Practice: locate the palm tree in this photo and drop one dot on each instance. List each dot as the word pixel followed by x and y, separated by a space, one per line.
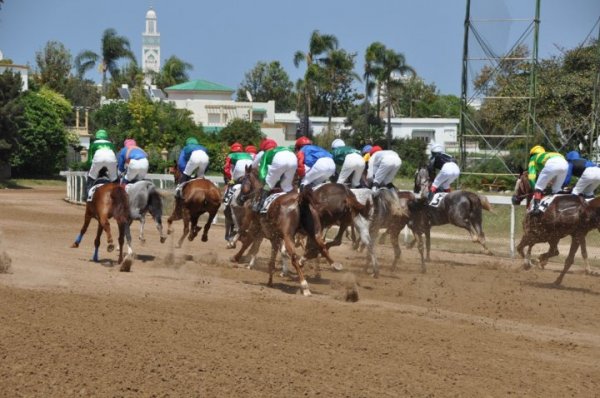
pixel 173 72
pixel 392 62
pixel 113 47
pixel 338 65
pixel 317 45
pixel 373 57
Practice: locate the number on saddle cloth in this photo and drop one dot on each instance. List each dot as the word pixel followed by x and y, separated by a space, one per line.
pixel 270 199
pixel 93 190
pixel 230 193
pixel 545 202
pixel 437 199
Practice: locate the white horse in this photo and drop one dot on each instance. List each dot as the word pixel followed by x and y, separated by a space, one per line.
pixel 143 198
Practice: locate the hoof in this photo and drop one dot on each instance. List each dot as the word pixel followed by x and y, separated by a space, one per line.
pixel 163 239
pixel 126 264
pixel 110 248
pixel 337 266
pixel 204 238
pixel 306 293
pixel 234 260
pixel 75 245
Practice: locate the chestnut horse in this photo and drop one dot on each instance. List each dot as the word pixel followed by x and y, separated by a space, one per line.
pixel 460 208
pixel 110 200
pixel 198 196
pixel 566 215
pixel 287 215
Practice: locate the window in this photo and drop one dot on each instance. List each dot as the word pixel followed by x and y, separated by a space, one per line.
pixel 214 118
pixel 423 135
pixel 151 28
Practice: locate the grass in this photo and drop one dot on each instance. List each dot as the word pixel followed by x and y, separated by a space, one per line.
pixel 23 183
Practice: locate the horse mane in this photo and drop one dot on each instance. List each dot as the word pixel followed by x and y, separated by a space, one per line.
pixel 120 202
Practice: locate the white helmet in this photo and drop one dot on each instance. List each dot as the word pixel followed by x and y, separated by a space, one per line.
pixel 337 143
pixel 436 148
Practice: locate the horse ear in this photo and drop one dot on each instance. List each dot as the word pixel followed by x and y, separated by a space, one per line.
pixel 248 169
pixel 521 170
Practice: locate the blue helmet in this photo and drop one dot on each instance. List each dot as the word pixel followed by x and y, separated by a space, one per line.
pixel 573 155
pixel 366 149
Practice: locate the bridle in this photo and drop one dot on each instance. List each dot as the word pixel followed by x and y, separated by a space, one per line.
pixel 520 188
pixel 253 192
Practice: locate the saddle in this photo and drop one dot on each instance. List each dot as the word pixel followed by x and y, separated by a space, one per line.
pixel 545 202
pixel 437 199
pixel 270 199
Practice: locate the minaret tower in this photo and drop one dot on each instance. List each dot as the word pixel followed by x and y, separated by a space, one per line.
pixel 150 46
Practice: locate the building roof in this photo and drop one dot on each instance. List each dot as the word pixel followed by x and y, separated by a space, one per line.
pixel 199 85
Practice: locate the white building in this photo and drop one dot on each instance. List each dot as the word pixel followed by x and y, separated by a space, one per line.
pixel 150 46
pixel 21 69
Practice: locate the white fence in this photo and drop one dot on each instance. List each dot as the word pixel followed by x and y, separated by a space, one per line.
pixel 76 194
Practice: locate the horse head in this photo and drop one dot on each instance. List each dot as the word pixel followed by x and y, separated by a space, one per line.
pixel 250 185
pixel 422 182
pixel 175 171
pixel 522 189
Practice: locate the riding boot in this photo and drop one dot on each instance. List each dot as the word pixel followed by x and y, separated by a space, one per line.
pixel 261 201
pixel 390 186
pixel 431 193
pixel 375 187
pixel 535 205
pixel 184 178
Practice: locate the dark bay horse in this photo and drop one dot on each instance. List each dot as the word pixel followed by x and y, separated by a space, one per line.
pixel 144 198
pixel 198 196
pixel 287 215
pixel 109 201
pixel 460 208
pixel 566 215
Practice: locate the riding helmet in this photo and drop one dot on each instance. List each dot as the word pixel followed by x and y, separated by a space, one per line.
pixel 337 143
pixel 268 144
pixel 101 135
pixel 300 142
pixel 236 147
pixel 191 141
pixel 366 149
pixel 573 155
pixel 537 149
pixel 129 142
pixel 251 149
pixel 437 148
pixel 376 148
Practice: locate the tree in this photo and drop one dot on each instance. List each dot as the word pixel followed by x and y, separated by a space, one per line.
pixel 268 81
pixel 113 48
pixel 130 74
pixel 82 92
pixel 11 113
pixel 54 64
pixel 241 131
pixel 43 138
pixel 373 59
pixel 317 45
pixel 338 73
pixel 174 71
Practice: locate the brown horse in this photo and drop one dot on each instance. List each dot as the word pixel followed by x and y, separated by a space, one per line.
pixel 197 197
pixel 566 215
pixel 288 215
pixel 110 200
pixel 460 208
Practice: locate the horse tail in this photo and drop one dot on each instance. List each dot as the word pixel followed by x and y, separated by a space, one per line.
pixel 356 206
pixel 485 204
pixel 120 204
pixel 154 202
pixel 308 205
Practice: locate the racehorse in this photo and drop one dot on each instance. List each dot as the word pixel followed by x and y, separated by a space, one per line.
pixel 198 196
pixel 286 216
pixel 109 200
pixel 234 213
pixel 566 215
pixel 389 211
pixel 143 198
pixel 460 208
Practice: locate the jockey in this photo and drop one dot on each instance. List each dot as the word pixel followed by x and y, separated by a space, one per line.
pixel 251 149
pixel 266 142
pixel 133 162
pixel 351 162
pixel 315 164
pixel 192 157
pixel 447 166
pixel 552 168
pixel 588 173
pixel 101 154
pixel 277 165
pixel 382 168
pixel 366 152
pixel 235 163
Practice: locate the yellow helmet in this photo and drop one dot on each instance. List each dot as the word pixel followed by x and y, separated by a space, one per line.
pixel 537 149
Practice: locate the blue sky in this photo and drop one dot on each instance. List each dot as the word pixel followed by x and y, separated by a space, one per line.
pixel 225 39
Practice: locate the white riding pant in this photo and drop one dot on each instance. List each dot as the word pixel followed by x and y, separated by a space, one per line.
pixel 137 169
pixel 198 160
pixel 319 172
pixel 240 168
pixel 383 167
pixel 554 172
pixel 588 182
pixel 354 165
pixel 104 157
pixel 282 169
pixel 448 173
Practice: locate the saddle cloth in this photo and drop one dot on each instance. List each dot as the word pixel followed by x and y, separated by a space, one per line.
pixel 545 202
pixel 92 191
pixel 437 199
pixel 230 194
pixel 270 199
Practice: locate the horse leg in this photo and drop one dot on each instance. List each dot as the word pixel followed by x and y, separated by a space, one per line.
pixel 194 229
pixel 525 241
pixel 325 253
pixel 109 240
pixel 142 223
pixel 97 242
pixel 86 223
pixel 186 227
pixel 588 270
pixel 569 260
pixel 159 227
pixel 480 237
pixel 289 247
pixel 419 240
pixel 361 224
pixel 175 215
pixel 211 217
pixel 128 260
pixel 275 243
pixel 552 251
pixel 394 235
pixel 428 243
pixel 338 238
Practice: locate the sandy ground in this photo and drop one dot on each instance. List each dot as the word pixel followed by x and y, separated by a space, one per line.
pixel 197 326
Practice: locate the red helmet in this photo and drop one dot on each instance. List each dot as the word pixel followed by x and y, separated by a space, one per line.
pixel 268 144
pixel 300 142
pixel 236 147
pixel 376 148
pixel 251 149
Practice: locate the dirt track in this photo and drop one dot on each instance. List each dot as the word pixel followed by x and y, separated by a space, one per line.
pixel 472 326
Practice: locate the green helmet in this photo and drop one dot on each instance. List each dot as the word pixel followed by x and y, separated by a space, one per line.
pixel 191 141
pixel 101 135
